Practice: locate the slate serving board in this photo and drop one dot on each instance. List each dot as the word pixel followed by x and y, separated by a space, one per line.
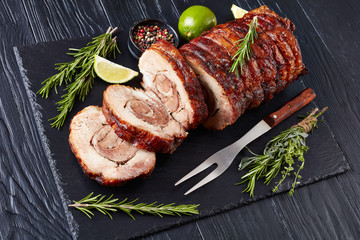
pixel 324 159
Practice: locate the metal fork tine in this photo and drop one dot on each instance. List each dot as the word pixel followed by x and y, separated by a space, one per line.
pixel 196 170
pixel 214 174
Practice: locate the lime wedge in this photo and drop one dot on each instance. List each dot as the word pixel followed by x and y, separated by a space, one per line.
pixel 238 12
pixel 111 72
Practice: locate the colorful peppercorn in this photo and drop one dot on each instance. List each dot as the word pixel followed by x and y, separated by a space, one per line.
pixel 146 35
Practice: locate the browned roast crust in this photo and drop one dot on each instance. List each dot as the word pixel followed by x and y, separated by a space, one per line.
pixel 227 39
pixel 251 77
pixel 268 24
pixel 139 137
pixel 188 79
pixel 251 80
pixel 196 54
pixel 218 56
pixel 263 53
pixel 266 17
pixel 267 20
pixel 276 61
pixel 99 177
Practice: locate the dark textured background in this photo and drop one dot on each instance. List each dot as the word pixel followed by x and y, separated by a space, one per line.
pixel 31 207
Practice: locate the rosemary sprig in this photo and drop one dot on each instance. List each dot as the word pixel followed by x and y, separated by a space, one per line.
pixel 244 51
pixel 110 205
pixel 280 152
pixel 81 71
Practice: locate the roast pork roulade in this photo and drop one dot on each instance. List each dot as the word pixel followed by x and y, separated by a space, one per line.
pixel 104 156
pixel 166 73
pixel 142 119
pixel 275 63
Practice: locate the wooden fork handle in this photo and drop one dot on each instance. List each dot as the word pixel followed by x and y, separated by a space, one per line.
pixel 290 107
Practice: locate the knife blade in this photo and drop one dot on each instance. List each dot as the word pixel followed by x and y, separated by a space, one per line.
pixel 225 156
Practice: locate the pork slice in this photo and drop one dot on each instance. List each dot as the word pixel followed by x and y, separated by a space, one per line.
pixel 217 54
pixel 222 98
pixel 102 155
pixel 141 118
pixel 251 92
pixel 166 73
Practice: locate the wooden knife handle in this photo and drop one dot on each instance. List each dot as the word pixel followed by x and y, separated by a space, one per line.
pixel 290 107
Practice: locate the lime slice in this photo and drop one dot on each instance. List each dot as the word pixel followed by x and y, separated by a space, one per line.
pixel 238 12
pixel 111 72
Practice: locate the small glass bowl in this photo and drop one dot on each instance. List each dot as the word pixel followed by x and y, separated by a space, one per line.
pixel 134 48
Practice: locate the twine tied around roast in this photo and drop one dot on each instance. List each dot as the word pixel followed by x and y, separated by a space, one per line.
pixel 307 123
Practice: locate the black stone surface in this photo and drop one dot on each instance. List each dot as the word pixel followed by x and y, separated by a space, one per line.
pixel 324 159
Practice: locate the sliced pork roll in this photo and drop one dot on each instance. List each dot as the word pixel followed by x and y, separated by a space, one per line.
pixel 140 118
pixel 166 73
pixel 275 63
pixel 104 156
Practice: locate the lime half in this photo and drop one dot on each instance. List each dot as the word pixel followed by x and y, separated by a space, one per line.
pixel 238 12
pixel 111 72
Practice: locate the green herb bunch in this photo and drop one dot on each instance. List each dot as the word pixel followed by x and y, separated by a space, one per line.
pixel 244 51
pixel 79 72
pixel 110 205
pixel 280 153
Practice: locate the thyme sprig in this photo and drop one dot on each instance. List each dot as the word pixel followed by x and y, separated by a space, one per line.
pixel 110 205
pixel 80 72
pixel 280 152
pixel 244 51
